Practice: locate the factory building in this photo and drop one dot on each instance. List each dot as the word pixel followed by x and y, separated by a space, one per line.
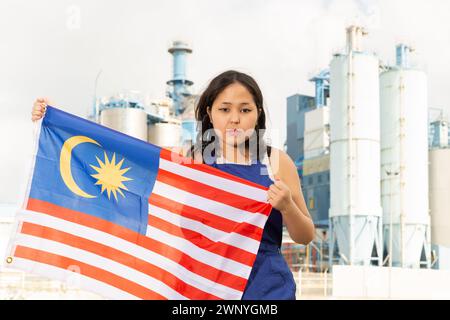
pixel 297 106
pixel 374 168
pixel 167 123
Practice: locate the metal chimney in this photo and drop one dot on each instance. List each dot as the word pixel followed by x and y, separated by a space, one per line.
pixel 179 83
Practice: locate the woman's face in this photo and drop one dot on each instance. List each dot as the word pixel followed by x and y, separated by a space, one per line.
pixel 234 114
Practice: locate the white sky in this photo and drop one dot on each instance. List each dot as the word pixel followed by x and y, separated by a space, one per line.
pixel 56 48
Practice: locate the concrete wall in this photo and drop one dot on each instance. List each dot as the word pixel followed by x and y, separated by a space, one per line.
pixel 359 282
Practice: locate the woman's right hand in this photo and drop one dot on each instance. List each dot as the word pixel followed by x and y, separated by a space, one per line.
pixel 39 108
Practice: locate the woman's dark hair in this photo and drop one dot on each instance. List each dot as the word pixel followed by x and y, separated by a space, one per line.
pixel 215 87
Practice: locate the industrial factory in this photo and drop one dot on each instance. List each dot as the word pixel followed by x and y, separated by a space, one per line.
pixel 167 122
pixel 374 163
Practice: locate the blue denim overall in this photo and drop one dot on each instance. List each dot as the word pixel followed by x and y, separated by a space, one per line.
pixel 270 278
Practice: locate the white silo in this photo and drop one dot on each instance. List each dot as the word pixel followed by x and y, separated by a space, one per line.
pixel 165 134
pixel 355 208
pixel 404 162
pixel 439 188
pixel 439 196
pixel 131 121
pixel 124 113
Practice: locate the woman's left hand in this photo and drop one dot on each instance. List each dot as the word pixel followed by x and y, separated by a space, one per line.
pixel 279 195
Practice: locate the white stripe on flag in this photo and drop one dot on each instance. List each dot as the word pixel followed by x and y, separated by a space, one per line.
pixel 215 207
pixel 216 235
pixel 197 253
pixel 107 239
pixel 228 185
pixel 85 283
pixel 99 262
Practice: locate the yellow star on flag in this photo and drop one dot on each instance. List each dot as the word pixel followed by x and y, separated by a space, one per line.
pixel 110 176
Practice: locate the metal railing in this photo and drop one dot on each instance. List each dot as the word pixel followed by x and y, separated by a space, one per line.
pixel 18 285
pixel 313 285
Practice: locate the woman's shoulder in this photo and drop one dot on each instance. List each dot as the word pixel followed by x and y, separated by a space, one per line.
pixel 281 163
pixel 282 155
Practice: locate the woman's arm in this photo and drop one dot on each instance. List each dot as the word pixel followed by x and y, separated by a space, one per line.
pixel 286 196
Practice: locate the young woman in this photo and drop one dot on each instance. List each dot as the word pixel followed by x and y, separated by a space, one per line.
pixel 232 119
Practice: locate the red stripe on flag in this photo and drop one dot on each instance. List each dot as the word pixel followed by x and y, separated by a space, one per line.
pixel 222 249
pixel 186 162
pixel 87 270
pixel 212 193
pixel 118 256
pixel 209 219
pixel 195 266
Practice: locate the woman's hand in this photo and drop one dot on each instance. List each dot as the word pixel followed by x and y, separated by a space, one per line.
pixel 39 108
pixel 279 195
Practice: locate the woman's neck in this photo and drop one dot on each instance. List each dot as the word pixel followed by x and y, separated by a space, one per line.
pixel 235 154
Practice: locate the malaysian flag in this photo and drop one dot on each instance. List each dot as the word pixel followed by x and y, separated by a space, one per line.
pixel 132 220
